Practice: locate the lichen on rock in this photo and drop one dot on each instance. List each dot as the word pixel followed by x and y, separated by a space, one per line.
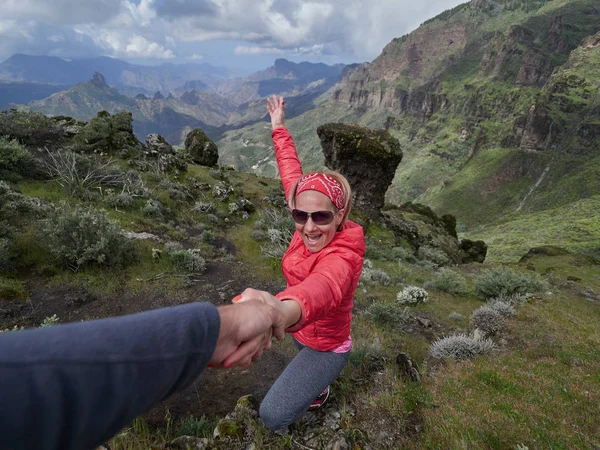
pixel 201 148
pixel 367 158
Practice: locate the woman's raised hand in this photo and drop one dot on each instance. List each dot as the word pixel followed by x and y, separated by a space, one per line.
pixel 275 107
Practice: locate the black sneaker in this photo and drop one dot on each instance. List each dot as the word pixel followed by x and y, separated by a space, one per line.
pixel 320 400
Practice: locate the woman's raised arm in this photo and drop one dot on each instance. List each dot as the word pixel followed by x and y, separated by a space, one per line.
pixel 290 169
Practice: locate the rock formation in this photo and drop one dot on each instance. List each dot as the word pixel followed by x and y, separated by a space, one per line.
pixel 415 226
pixel 163 155
pixel 98 80
pixel 366 157
pixel 201 148
pixel 157 145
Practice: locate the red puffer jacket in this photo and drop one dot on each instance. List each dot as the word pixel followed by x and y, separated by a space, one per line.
pixel 323 283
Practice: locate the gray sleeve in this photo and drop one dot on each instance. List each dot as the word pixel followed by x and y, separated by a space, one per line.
pixel 74 386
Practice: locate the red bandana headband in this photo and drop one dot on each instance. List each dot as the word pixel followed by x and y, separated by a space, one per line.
pixel 325 185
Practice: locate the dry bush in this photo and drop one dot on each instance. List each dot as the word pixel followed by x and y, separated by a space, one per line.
pixel 460 347
pixel 487 319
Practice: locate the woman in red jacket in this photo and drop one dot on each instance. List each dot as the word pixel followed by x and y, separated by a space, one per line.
pixel 322 267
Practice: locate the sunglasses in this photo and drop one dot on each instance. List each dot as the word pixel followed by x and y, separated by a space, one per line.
pixel 318 217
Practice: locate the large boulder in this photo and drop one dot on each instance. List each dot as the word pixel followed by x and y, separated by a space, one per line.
pixel 201 148
pixel 367 158
pixel 158 145
pixel 472 251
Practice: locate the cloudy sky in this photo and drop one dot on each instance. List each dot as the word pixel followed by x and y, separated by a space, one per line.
pixel 247 34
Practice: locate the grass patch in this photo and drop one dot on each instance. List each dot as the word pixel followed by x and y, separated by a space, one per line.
pixel 11 289
pixel 539 394
pixel 575 227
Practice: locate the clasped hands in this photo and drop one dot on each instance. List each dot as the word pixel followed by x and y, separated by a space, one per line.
pixel 248 326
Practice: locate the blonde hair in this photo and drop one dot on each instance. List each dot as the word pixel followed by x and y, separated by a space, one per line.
pixel 346 189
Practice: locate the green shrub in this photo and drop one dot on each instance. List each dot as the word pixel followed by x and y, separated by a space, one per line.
pixel 246 205
pixel 461 347
pixel 11 289
pixel 389 253
pixel 152 209
pixel 195 426
pixel 506 282
pixel 177 191
pixel 221 191
pixel 449 281
pixel 405 254
pixel 388 313
pixel 109 134
pixel 412 295
pixel 29 127
pixel 258 235
pixel 50 321
pixel 188 261
pixel 14 206
pixel 203 207
pixel 433 255
pixel 207 236
pixel 504 308
pixel 487 319
pixel 513 300
pixel 15 160
pixel 84 236
pixel 403 272
pixel 122 200
pixel 367 352
pixel 233 208
pixel 370 275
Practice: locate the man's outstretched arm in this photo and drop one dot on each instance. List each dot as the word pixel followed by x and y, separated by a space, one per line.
pixel 74 386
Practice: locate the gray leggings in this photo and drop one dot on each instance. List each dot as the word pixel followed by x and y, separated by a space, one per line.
pixel 301 382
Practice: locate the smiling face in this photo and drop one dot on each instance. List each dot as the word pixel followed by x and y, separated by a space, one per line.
pixel 316 237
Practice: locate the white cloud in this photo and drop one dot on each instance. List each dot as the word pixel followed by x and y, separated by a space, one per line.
pixel 122 44
pixel 153 28
pixel 140 47
pixel 353 27
pixel 7 26
pixel 142 13
pixel 313 50
pixel 195 57
pixel 256 50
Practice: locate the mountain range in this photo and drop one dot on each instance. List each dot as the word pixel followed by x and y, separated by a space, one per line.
pixel 213 103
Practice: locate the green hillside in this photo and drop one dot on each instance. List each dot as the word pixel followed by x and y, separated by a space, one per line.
pixel 103 233
pixel 502 123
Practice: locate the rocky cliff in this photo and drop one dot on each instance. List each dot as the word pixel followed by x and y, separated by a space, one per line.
pixel 518 75
pixel 523 54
